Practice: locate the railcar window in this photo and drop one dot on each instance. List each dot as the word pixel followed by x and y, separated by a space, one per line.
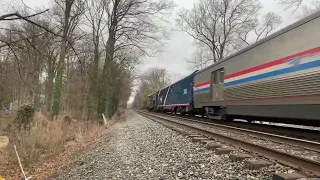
pixel 218 77
pixel 221 76
pixel 214 78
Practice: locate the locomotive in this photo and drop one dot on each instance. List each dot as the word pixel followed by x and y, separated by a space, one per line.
pixel 276 79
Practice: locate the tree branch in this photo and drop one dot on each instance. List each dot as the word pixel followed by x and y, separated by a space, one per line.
pixel 4 17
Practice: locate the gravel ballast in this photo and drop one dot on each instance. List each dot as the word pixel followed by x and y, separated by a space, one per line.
pixel 139 148
pixel 290 149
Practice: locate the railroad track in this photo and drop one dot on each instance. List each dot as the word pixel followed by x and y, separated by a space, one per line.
pixel 271 146
pixel 299 133
pixel 305 143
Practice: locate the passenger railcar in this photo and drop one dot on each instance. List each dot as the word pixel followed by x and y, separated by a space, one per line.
pixel 276 79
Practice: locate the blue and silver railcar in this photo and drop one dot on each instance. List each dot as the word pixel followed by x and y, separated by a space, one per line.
pixel 276 79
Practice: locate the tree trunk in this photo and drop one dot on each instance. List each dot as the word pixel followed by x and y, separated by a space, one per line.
pixel 61 63
pixel 105 77
pixel 58 84
pixel 85 104
pixel 102 103
pixel 49 86
pixel 36 94
pixel 37 85
pixel 93 91
pixel 66 97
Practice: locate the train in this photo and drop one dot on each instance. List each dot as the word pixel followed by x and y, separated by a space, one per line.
pixel 276 79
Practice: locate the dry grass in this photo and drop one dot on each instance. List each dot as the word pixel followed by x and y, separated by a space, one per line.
pixel 45 140
pixel 4 121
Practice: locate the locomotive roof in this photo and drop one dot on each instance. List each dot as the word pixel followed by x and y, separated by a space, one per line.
pixel 177 81
pixel 274 35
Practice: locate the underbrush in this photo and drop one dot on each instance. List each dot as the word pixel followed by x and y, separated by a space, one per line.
pixel 43 140
pixel 4 121
pixel 45 146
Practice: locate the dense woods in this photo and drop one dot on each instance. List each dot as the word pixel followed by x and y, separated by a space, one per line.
pixel 77 56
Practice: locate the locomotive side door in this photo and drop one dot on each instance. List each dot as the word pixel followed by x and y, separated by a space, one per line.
pixel 217 80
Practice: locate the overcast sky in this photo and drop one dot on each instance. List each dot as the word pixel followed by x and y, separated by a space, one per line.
pixel 180 46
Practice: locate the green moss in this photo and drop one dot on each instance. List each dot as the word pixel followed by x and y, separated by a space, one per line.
pixel 57 93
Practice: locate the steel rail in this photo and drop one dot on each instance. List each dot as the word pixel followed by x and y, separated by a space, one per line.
pixel 281 157
pixel 295 132
pixel 313 134
pixel 309 145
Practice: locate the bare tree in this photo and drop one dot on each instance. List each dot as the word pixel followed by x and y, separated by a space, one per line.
pixel 97 21
pixel 291 3
pixel 268 24
pixel 17 16
pixel 122 65
pixel 216 23
pixel 26 50
pixel 309 9
pixel 61 61
pixel 306 9
pixel 70 22
pixel 201 58
pixel 31 41
pixel 51 48
pixel 131 24
pixel 151 80
pixel 223 27
pixel 155 78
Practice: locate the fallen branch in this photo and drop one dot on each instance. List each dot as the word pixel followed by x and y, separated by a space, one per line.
pixel 24 175
pixel 104 120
